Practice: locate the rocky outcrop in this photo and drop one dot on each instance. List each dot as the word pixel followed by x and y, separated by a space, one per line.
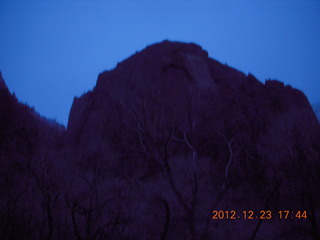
pixel 200 136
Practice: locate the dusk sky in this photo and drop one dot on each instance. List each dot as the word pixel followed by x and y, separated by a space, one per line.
pixel 52 51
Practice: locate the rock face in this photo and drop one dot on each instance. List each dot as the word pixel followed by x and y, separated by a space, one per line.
pixel 194 136
pixel 169 137
pixel 168 71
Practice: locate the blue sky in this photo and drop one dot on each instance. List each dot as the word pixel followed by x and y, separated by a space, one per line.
pixel 52 51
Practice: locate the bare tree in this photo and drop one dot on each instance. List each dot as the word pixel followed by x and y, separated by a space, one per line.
pixel 94 213
pixel 40 167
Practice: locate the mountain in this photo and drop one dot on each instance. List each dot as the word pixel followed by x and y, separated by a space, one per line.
pixel 28 143
pixel 170 144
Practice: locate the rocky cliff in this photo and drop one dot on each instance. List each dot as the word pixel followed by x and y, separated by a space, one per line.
pixel 167 138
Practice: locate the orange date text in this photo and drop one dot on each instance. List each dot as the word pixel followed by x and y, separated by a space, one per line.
pixel 261 215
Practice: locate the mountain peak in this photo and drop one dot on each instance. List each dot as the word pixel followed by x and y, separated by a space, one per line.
pixel 168 76
pixel 176 63
pixel 167 46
